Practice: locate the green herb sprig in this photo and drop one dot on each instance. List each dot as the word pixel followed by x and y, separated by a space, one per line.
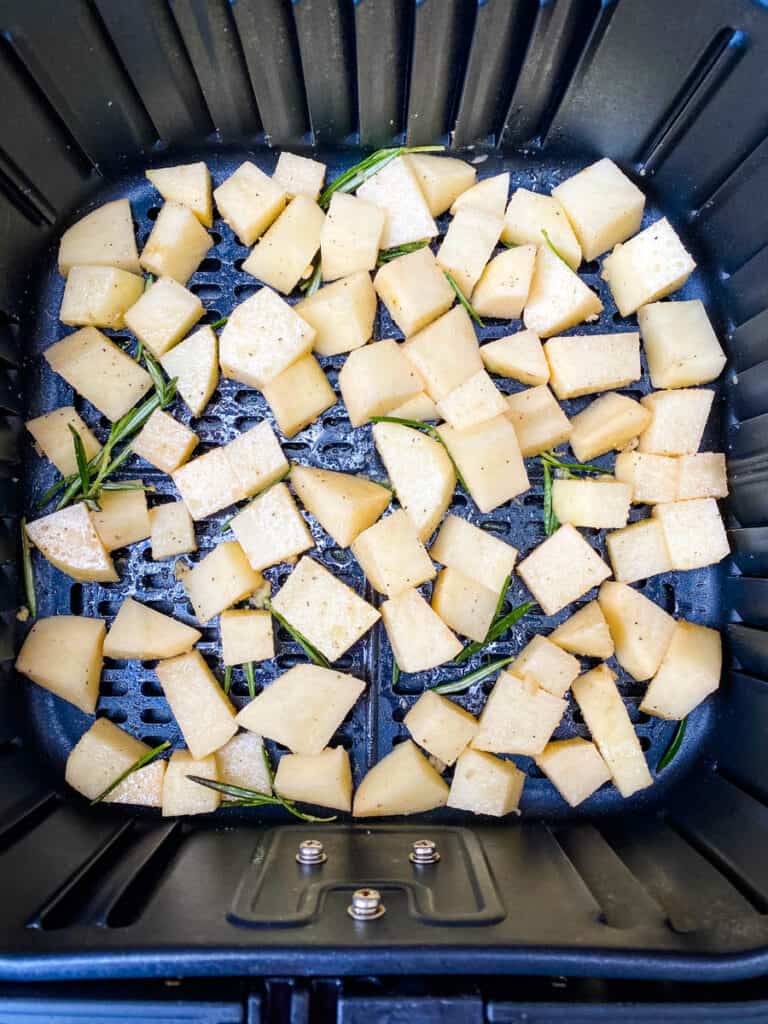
pixel 307 646
pixel 677 740
pixel 499 628
pixel 251 678
pixel 395 674
pixel 553 465
pixel 364 169
pixel 218 323
pixel 463 299
pixel 243 797
pixel 425 428
pixel 556 251
pixel 465 682
pixel 141 763
pixel 28 571
pixel 313 282
pixel 551 522
pixel 227 679
pixel 387 255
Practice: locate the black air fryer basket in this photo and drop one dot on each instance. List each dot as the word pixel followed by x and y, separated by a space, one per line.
pixel 670 884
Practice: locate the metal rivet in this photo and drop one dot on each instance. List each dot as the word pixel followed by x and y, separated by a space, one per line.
pixel 366 905
pixel 424 851
pixel 311 852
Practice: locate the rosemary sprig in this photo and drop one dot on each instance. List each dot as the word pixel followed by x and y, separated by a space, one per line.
pixel 551 245
pixel 126 485
pixel 425 428
pixel 670 753
pixel 142 761
pixel 574 468
pixel 227 678
pixel 313 282
pixel 250 676
pixel 550 519
pixel 464 683
pixel 28 571
pixel 81 459
pixel 386 255
pixel 395 674
pixel 164 389
pixel 218 323
pixel 243 797
pixel 307 646
pixel 553 465
pixel 360 172
pixel 499 627
pixel 463 299
pixel 149 280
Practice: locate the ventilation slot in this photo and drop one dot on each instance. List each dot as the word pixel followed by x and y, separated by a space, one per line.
pixel 17 824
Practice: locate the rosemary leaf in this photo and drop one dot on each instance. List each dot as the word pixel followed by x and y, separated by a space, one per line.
pixel 127 485
pixel 243 797
pixel 309 648
pixel 81 459
pixel 386 255
pixel 509 245
pixel 549 242
pixel 250 676
pixel 671 752
pixel 149 280
pixel 139 351
pixel 158 377
pixel 218 323
pixel 360 172
pixel 497 629
pixel 464 683
pixel 142 761
pixel 550 519
pixel 395 674
pixel 556 462
pixel 425 428
pixel 463 299
pixel 227 678
pixel 28 571
pixel 313 282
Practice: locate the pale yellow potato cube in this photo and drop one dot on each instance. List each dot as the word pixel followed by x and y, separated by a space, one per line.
pixel 403 782
pixel 689 672
pixel 489 195
pixel 468 245
pixel 53 437
pixel 653 478
pixel 612 730
pixel 585 632
pixel 172 531
pixel 603 206
pixel 420 472
pixel 375 379
pixel 392 556
pixel 538 420
pixel 678 419
pixel 465 606
pixel 177 244
pixel 641 630
pixel 574 767
pixel 420 407
pixel 181 796
pixel 474 401
pixel 322 608
pixel 503 288
pixel 302 708
pixel 288 246
pixel 142 788
pixel 140 632
pixel 164 442
pixel 351 236
pixel 610 422
pixel 702 475
pixel 638 551
pixel 519 717
pixel 442 179
pixel 342 314
pixel 693 531
pixel 552 668
pixel 519 356
pixel 343 504
pixel 63 654
pixel 123 518
pixel 445 353
pixel 441 727
pixel 488 457
pixel 414 290
pixel 597 504
pixel 164 313
pixel 584 364
pixel 476 553
pixel 256 459
pixel 102 238
pixel 246 635
pixel 420 639
pixel 395 189
pixel 242 761
pixel 484 784
pixel 222 578
pixel 558 298
pixel 69 541
pixel 194 695
pixel 299 395
pixel 194 365
pixel 262 337
pixel 99 296
pixel 530 214
pixel 186 184
pixel 249 201
pixel 562 569
pixel 101 755
pixel 680 345
pixel 100 371
pixel 323 780
pixel 647 267
pixel 271 529
pixel 299 176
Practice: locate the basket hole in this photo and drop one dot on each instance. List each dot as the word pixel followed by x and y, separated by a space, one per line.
pixel 343 741
pixel 534 772
pixel 151 688
pixel 153 212
pixel 591 267
pixel 337 449
pixel 115 715
pixel 244 291
pixel 206 291
pixel 156 716
pixel 215 237
pixel 397 740
pixel 113 687
pixel 76 599
pixel 209 265
pixel 645 742
pixel 399 714
pixel 153 739
pixel 577 715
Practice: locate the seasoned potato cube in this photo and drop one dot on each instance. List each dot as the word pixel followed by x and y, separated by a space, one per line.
pixel 101 755
pixel 68 540
pixel 302 708
pixel 640 629
pixel 204 715
pixel 520 356
pixel 351 236
pixel 474 401
pixel 323 780
pixel 123 518
pixel 180 794
pixel 600 504
pixel 164 442
pixel 489 195
pixel 395 189
pixel 441 727
pixel 647 267
pixel 140 632
pixel 102 238
pixel 574 767
pixel 220 580
pixel 474 552
pixel 653 478
pixel 465 606
pixel 585 632
pixel 282 254
pixel 539 422
pixel 420 407
pixel 63 654
pixel 442 179
pixel 271 529
pixel 242 762
pixel 681 347
pixel 503 288
pixel 608 721
pixel 375 379
pixel 420 639
pixel 325 610
pixel 186 184
pixel 610 422
pixel 603 206
pixel 414 290
pixel 584 364
pixel 299 394
pixel 164 313
pixel 530 214
pixel 688 673
pixel 392 556
pixel 343 504
pixel 299 176
pixel 246 636
pixel 701 476
pixel 693 531
pixel 467 246
pixel 342 314
pixel 558 298
pixel 53 436
pixel 545 574
pixel 484 784
pixel 420 472
pixel 678 419
pixel 177 244
pixel 172 531
pixel 99 296
pixel 100 371
pixel 256 459
pixel 551 667
pixel 488 457
pixel 638 551
pixel 446 353
pixel 249 201
pixel 518 718
pixel 403 782
pixel 194 365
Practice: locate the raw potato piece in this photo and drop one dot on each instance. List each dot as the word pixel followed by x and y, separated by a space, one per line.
pixel 678 419
pixel 299 395
pixel 53 436
pixel 420 639
pixel 194 365
pixel 249 201
pixel 395 189
pixel 503 287
pixel 299 176
pixel 520 356
pixel 246 636
pixel 680 345
pixel 489 195
pixel 414 290
pixel 323 780
pixel 342 314
pixel 551 667
pixel 647 267
pixel 420 407
pixel 302 708
pixel 343 504
pixel 484 784
pixel 280 257
pixel 584 364
pixel 102 754
pixel 99 296
pixel 610 422
pixel 180 794
pixel 123 518
pixel 69 541
pixel 375 379
pixel 518 718
pixel 574 767
pixel 403 782
pixel 475 401
pixel 420 472
pixel 688 673
pixel 141 632
pixel 488 457
pixel 638 551
pixel 205 716
pixel 63 654
pixel 256 459
pixel 653 478
pixel 242 762
pixel 164 442
pixel 607 719
pixel 442 179
pixel 271 529
pixel 465 606
pixel 539 422
pixel 585 632
pixel 441 727
pixel 530 214
pixel 220 580
pixel 474 552
pixel 103 238
pixel 558 298
pixel 392 556
pixel 176 245
pixel 694 532
pixel 640 629
pixel 351 237
pixel 562 569
pixel 446 353
pixel 598 504
pixel 603 206
pixel 186 184
pixel 468 245
pixel 172 531
pixel 702 475
pixel 164 313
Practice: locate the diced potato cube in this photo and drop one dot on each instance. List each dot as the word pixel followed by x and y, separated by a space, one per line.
pixel 299 394
pixel 194 365
pixel 442 179
pixel 465 606
pixel 693 531
pixel 342 314
pixel 220 580
pixel 702 475
pixel 262 337
pixel 172 531
pixel 653 478
pixel 678 419
pixel 68 540
pixel 177 244
pixel 343 504
pixel 519 717
pixel 282 254
pixel 271 529
pixel 140 632
pixel 474 401
pixel 351 236
pixel 256 459
pixel 681 347
pixel 688 673
pixel 302 708
pixel 101 755
pixel 420 407
pixel 123 518
pixel 603 206
pixel 612 730
pixel 414 290
pixel 640 629
pixel 164 442
pixel 53 436
pixel 102 238
pixel 164 313
pixel 63 654
pixel 638 551
pixel 488 457
pixel 100 371
pixel 325 610
pixel 476 553
pixel 562 569
pixel 299 176
pixel 484 784
pixel 539 422
pixel 142 788
pixel 441 727
pixel 503 288
pixel 530 214
pixel 647 267
pixel 246 636
pixel 552 668
pixel 403 782
pixel 585 632
pixel 181 796
pixel 242 762
pixel 204 715
pixel 584 364
pixel 392 556
pixel 186 184
pixel 445 353
pixel 468 245
pixel 610 422
pixel 519 356
pixel 420 639
pixel 249 201
pixel 375 379
pixel 558 298
pixel 599 504
pixel 489 195
pixel 420 471
pixel 99 296
pixel 395 189
pixel 574 767
pixel 323 780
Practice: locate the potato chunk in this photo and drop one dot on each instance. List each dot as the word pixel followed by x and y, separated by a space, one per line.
pixel 647 267
pixel 610 422
pixel 574 767
pixel 414 290
pixel 69 541
pixel 242 762
pixel 465 606
pixel 342 314
pixel 680 345
pixel 271 529
pixel 205 716
pixel 375 379
pixel 703 475
pixel 299 395
pixel 476 553
pixel 164 442
pixel 101 755
pixel 688 673
pixel 392 556
pixel 441 727
pixel 140 632
pixel 163 314
pixel 177 244
pixel 343 504
pixel 256 459
pixel 640 629
pixel 520 356
pixel 194 365
pixel 488 457
pixel 603 206
pixel 299 176
pixel 599 504
pixel 562 569
pixel 420 407
pixel 530 214
pixel 445 353
pixel 653 478
pixel 585 632
pixel 694 532
pixel 63 654
pixel 102 238
pixel 123 518
pixel 420 639
pixel 220 580
pixel 246 636
pixel 489 195
pixel 552 668
pixel 539 422
pixel 282 254
pixel 403 782
pixel 172 531
pixel 249 201
pixel 558 298
pixel 519 717
pixel 442 179
pixel 53 436
pixel 503 287
pixel 351 236
pixel 638 551
pixel 395 189
pixel 323 780
pixel 484 784
pixel 584 364
pixel 186 184
pixel 468 245
pixel 99 296
pixel 181 796
pixel 476 400
pixel 678 419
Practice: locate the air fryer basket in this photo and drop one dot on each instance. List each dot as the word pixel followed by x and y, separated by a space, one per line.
pixel 671 883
